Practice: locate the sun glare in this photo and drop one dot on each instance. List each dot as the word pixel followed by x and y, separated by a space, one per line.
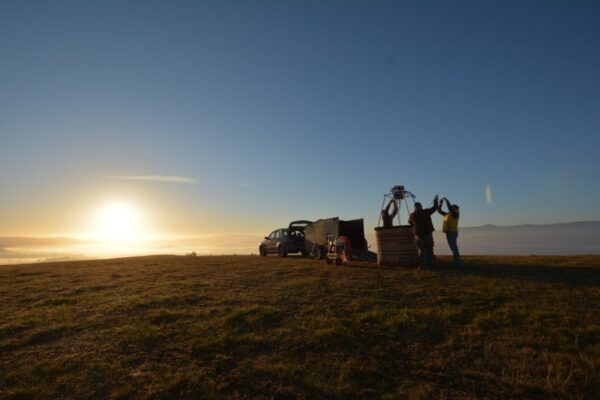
pixel 118 221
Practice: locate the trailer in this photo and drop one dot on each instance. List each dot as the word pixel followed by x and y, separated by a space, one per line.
pixel 317 234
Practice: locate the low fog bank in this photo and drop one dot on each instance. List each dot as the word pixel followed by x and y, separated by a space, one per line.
pixel 555 239
pixel 22 250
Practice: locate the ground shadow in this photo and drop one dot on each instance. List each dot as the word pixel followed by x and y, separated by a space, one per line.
pixel 569 275
pixel 588 276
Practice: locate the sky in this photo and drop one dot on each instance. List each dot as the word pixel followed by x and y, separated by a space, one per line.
pixel 223 117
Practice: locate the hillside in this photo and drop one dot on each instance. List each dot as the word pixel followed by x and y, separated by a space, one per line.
pixel 251 327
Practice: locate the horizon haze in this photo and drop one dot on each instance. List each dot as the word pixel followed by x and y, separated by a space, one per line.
pixel 128 124
pixel 575 238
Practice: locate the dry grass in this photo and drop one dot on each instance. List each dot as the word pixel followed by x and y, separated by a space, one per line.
pixel 250 327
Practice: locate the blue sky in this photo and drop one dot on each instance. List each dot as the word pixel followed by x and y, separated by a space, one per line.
pixel 281 110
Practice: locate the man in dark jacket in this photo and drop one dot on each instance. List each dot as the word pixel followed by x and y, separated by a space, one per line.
pixel 420 220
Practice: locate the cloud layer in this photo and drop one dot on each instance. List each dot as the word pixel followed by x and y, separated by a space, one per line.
pixel 156 178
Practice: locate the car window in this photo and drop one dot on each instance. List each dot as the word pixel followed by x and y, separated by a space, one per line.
pixel 297 234
pixel 284 233
pixel 272 235
pixel 278 235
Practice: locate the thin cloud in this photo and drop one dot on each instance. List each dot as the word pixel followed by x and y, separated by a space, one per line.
pixel 488 194
pixel 245 184
pixel 156 178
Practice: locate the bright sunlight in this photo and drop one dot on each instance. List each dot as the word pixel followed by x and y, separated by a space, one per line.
pixel 118 221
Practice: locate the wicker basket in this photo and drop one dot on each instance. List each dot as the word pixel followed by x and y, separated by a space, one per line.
pixel 396 246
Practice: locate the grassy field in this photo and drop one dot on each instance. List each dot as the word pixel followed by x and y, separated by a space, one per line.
pixel 250 327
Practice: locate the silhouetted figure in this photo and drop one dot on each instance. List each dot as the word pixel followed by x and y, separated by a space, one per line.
pixel 450 227
pixel 420 220
pixel 388 219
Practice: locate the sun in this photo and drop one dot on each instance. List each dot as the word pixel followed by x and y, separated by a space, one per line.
pixel 118 221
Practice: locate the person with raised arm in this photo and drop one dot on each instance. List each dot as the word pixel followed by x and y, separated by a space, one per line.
pixel 450 227
pixel 420 220
pixel 387 217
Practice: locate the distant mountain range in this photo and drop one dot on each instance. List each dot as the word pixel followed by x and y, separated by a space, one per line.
pixel 548 239
pixel 569 225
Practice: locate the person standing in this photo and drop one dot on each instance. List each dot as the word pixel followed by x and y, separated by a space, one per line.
pixel 420 220
pixel 450 227
pixel 387 217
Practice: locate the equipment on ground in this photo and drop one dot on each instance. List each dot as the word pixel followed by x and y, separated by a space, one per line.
pixel 319 234
pixel 339 251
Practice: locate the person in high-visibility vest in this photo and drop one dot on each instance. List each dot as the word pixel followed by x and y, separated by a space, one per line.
pixel 450 227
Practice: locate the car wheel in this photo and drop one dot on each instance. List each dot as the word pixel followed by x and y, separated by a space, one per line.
pixel 262 251
pixel 281 252
pixel 317 253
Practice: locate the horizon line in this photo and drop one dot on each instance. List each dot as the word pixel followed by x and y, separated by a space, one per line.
pixel 199 236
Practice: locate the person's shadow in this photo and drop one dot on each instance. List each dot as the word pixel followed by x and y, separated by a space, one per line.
pixel 578 274
pixel 536 272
